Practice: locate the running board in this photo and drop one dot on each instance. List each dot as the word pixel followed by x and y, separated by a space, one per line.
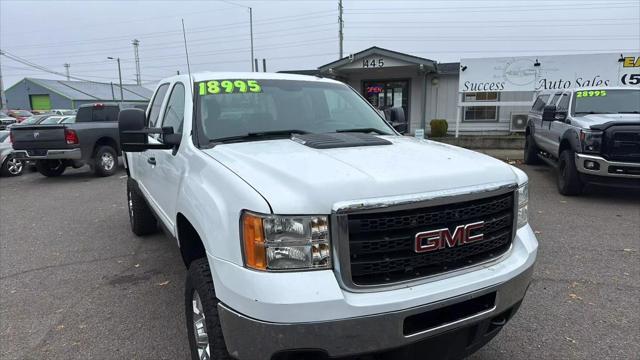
pixel 547 159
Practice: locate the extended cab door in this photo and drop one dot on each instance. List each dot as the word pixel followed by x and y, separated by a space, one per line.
pixel 138 160
pixel 535 117
pixel 163 177
pixel 557 128
pixel 546 143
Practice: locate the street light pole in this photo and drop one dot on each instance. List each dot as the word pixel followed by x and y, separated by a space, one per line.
pixel 251 35
pixel 119 76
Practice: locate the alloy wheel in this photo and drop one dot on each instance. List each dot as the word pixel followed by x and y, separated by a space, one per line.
pixel 200 328
pixel 107 161
pixel 14 166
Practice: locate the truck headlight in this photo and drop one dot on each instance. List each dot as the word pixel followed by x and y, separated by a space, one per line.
pixel 591 141
pixel 273 242
pixel 523 205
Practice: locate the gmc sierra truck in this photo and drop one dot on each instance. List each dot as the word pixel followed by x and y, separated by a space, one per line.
pixel 591 135
pixel 310 228
pixel 92 139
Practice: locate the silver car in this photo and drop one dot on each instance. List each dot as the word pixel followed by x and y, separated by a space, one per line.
pixel 9 165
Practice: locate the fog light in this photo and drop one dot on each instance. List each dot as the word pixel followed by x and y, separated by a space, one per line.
pixel 591 165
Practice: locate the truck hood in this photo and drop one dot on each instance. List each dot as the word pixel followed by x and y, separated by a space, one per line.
pixel 296 179
pixel 596 119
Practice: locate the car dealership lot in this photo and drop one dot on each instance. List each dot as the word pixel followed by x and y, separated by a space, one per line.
pixel 75 283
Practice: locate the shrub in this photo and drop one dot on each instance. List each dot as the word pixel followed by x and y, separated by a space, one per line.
pixel 439 127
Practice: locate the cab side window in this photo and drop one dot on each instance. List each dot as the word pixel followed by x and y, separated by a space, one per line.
pixel 563 105
pixel 554 101
pixel 154 113
pixel 174 111
pixel 539 104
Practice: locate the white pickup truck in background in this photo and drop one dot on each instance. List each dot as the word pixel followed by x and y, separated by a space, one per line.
pixel 311 229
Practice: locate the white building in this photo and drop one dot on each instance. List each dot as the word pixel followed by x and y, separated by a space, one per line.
pixel 475 96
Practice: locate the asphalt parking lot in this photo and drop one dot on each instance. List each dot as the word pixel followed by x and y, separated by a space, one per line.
pixel 75 283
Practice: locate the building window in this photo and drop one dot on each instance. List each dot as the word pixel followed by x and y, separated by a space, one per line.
pixel 480 113
pixel 480 96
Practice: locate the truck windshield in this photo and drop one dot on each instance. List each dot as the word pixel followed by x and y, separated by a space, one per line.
pixel 239 108
pixel 606 102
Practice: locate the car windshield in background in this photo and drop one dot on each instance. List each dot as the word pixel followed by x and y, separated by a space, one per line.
pixel 51 120
pixel 22 113
pixel 606 102
pixel 3 136
pixel 237 108
pixel 68 120
pixel 31 120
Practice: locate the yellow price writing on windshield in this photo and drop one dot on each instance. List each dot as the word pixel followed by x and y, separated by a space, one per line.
pixel 213 87
pixel 590 93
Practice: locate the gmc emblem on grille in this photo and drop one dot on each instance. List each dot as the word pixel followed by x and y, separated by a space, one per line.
pixel 433 240
pixel 36 134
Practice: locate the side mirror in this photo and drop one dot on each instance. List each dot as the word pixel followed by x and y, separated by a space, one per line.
pixel 400 127
pixel 129 122
pixel 549 113
pixel 561 115
pixel 172 139
pixel 134 134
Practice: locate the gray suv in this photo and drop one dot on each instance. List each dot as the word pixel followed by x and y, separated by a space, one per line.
pixel 591 135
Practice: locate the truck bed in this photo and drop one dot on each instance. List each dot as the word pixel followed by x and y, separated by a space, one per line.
pixel 41 137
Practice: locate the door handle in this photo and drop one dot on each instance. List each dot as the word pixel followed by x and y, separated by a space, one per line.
pixel 151 160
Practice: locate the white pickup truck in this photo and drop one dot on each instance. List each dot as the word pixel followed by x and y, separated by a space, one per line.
pixel 311 229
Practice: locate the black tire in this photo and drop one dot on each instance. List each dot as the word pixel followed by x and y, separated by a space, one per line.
pixel 200 282
pixel 51 168
pixel 531 151
pixel 140 215
pixel 105 162
pixel 569 182
pixel 12 167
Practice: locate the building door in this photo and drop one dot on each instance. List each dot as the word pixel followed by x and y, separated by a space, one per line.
pixel 40 102
pixel 387 95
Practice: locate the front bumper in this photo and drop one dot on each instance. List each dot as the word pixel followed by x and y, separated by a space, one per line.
pixel 376 332
pixel 606 168
pixel 62 154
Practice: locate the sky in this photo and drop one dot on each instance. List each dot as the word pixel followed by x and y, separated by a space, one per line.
pixel 293 35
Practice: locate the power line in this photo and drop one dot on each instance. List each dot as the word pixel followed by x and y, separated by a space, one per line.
pixel 226 26
pixel 39 67
pixel 510 6
pixel 424 10
pixel 176 43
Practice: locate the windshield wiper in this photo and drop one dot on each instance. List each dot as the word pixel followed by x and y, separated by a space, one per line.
pixel 363 130
pixel 256 136
pixel 629 112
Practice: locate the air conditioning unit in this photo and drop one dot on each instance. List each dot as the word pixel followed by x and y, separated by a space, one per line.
pixel 518 122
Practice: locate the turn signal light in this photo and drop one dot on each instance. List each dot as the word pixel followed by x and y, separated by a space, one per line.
pixel 71 137
pixel 253 240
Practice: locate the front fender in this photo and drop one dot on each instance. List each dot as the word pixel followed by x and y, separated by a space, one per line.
pixel 572 138
pixel 212 198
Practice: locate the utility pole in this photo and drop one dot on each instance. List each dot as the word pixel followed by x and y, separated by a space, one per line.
pixel 135 44
pixel 66 70
pixel 340 26
pixel 119 76
pixel 3 99
pixel 253 68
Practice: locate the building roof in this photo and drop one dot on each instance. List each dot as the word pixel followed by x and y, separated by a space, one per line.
pixel 84 90
pixel 379 51
pixel 449 68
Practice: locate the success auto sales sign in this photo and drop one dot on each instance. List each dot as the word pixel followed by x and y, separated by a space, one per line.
pixel 528 73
